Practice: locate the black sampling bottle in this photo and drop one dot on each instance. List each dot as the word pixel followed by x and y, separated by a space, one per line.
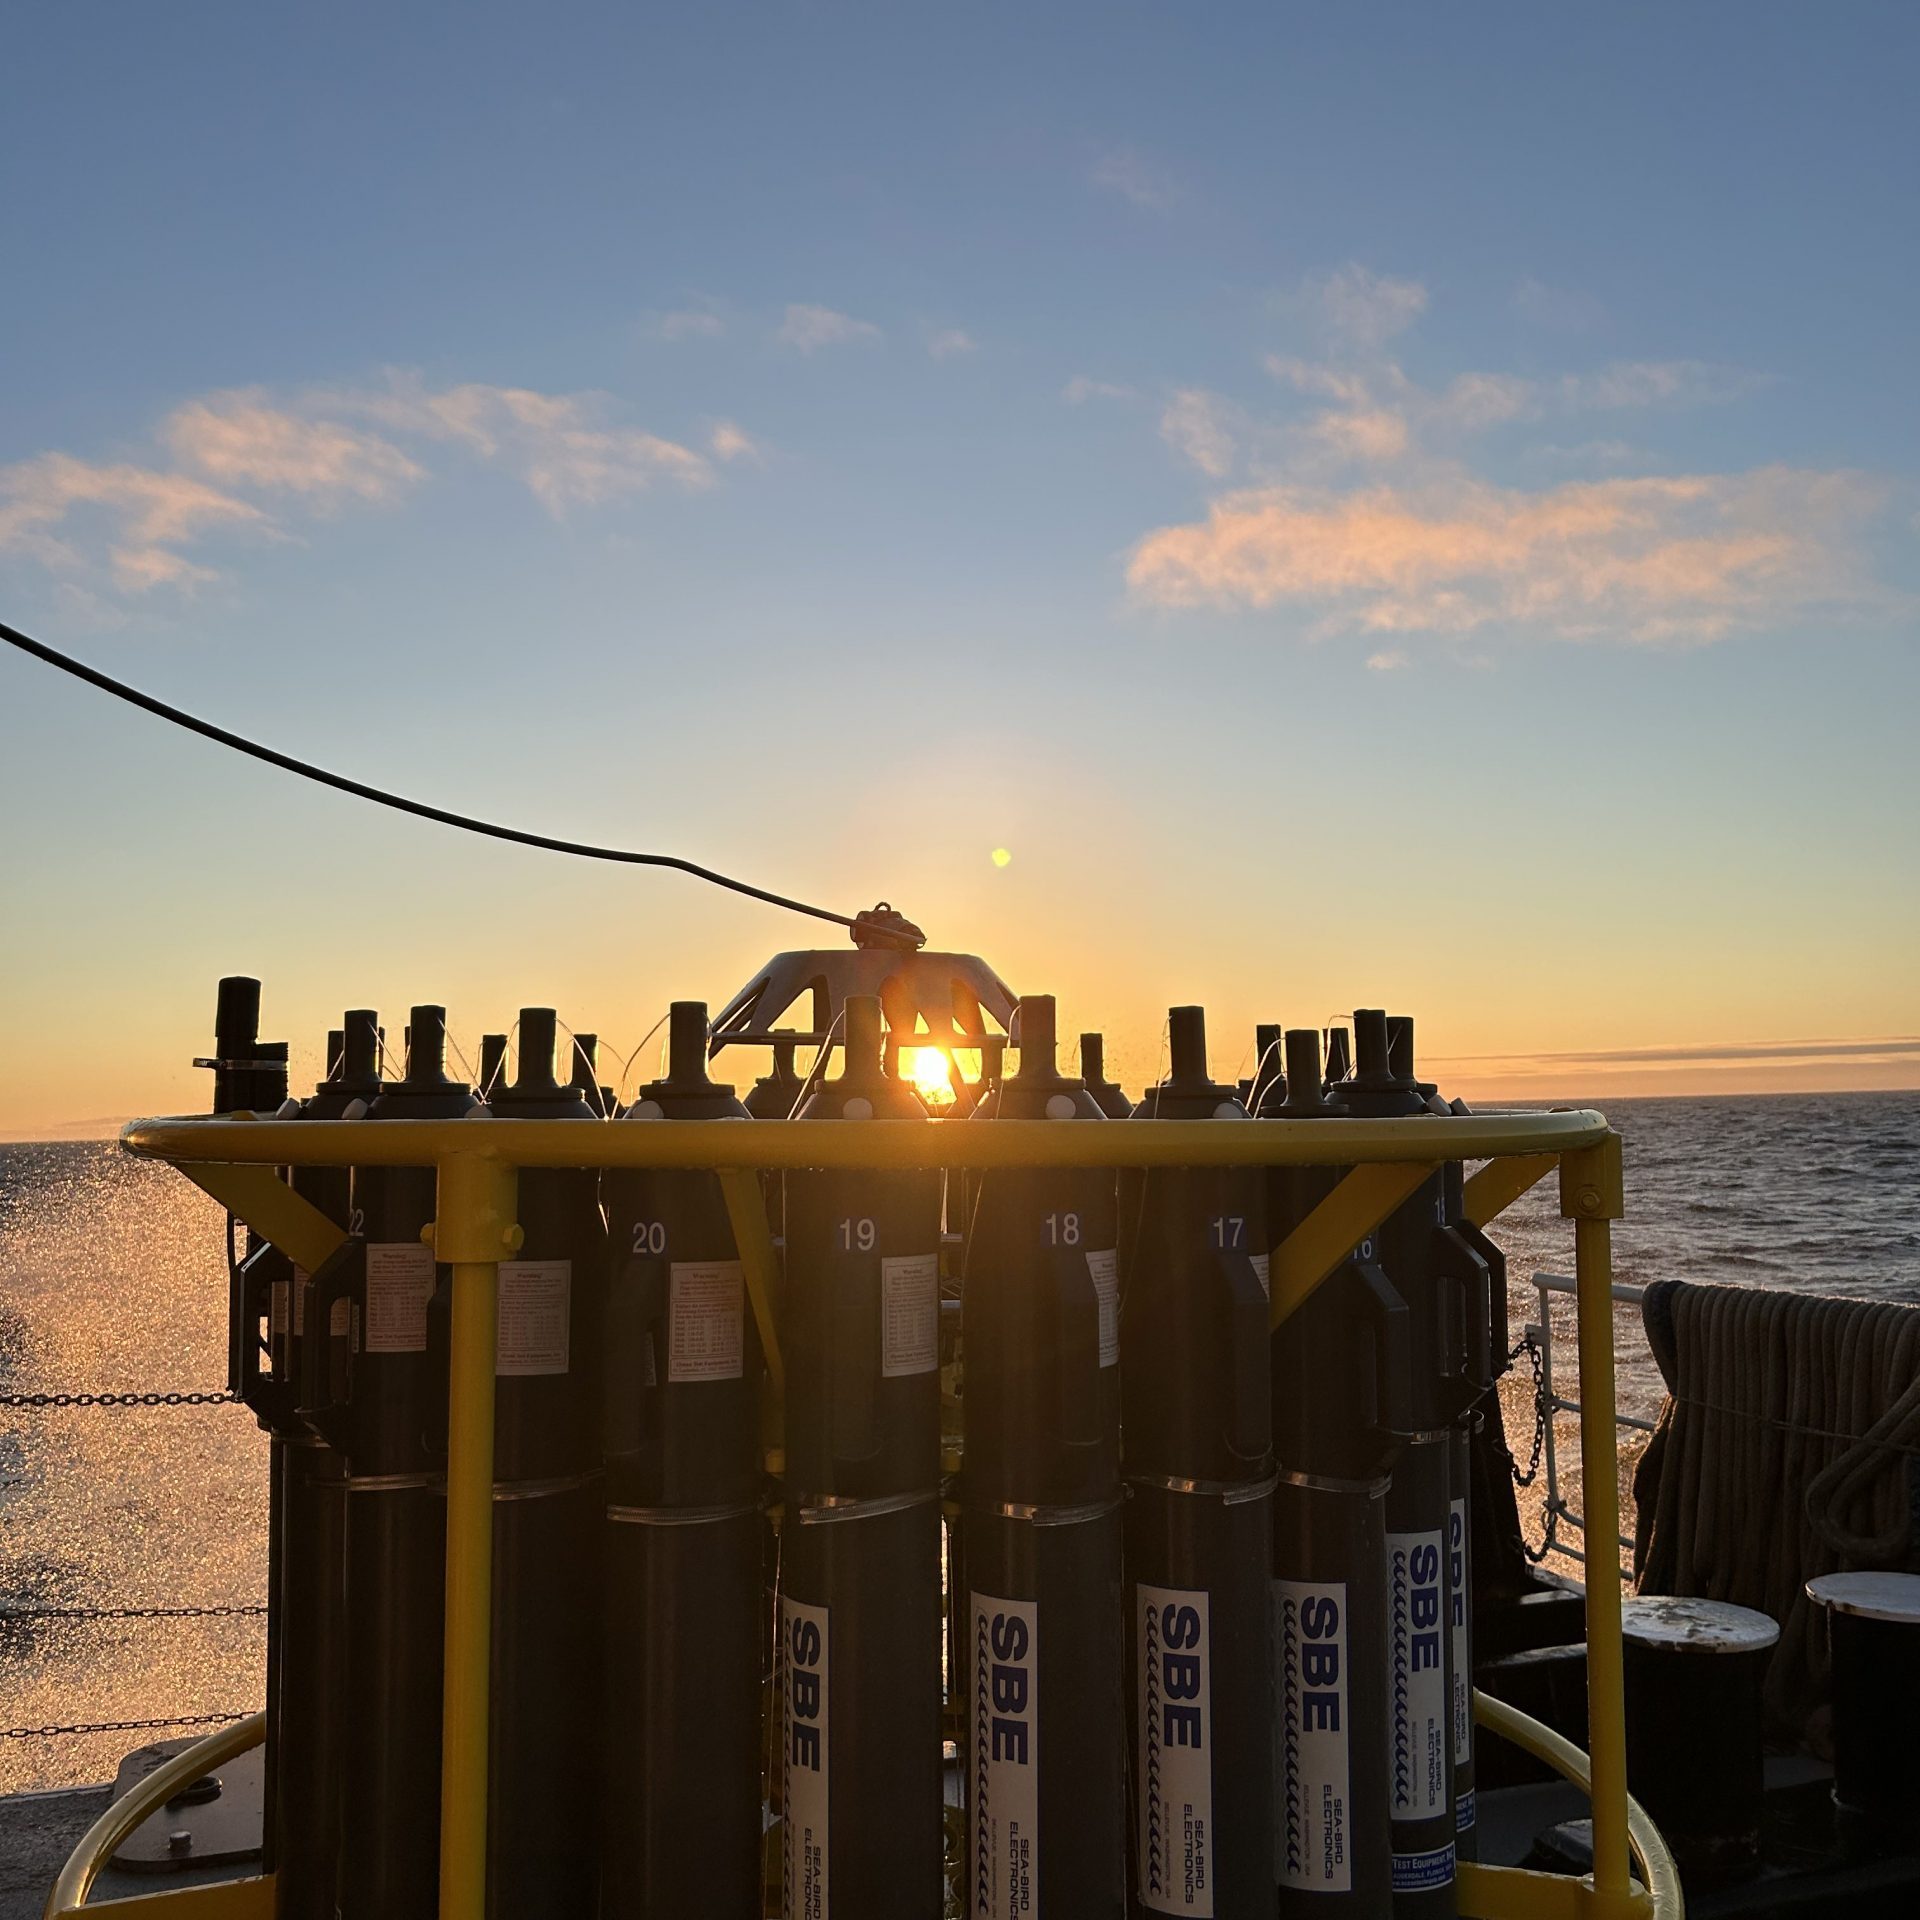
pixel 1340 1394
pixel 313 1525
pixel 1434 1275
pixel 1196 1424
pixel 860 1533
pixel 686 1636
pixel 393 1431
pixel 546 1513
pixel 250 1077
pixel 1475 1270
pixel 1041 1634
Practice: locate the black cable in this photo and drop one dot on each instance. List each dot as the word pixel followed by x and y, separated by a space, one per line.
pixel 107 684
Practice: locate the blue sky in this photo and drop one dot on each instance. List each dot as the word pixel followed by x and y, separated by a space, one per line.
pixel 1364 504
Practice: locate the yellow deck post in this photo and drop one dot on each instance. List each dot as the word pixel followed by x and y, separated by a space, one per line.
pixel 1591 1193
pixel 473 1228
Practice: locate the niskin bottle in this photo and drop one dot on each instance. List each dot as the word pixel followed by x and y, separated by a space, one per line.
pixel 1041 1640
pixel 313 1530
pixel 1419 1261
pixel 686 1636
pixel 250 1076
pixel 546 1515
pixel 394 1435
pixel 1197 1449
pixel 860 1537
pixel 1340 1391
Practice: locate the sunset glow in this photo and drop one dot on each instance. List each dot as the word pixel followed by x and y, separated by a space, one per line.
pixel 1477 578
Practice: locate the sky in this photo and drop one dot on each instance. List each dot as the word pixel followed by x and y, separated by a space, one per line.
pixel 1360 506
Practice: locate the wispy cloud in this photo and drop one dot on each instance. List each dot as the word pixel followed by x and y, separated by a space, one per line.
pixel 1134 177
pixel 730 442
pixel 566 447
pixel 808 329
pixel 1083 387
pixel 1360 507
pixel 1196 424
pixel 248 462
pixel 702 320
pixel 1357 308
pixel 62 512
pixel 1389 660
pixel 1675 560
pixel 240 440
pixel 949 343
pixel 1654 383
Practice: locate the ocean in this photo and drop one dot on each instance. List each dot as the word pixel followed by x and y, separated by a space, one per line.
pixel 113 1280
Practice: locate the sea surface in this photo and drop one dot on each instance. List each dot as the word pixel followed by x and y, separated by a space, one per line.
pixel 113 1279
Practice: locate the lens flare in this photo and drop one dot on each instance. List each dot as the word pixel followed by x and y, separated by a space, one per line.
pixel 927 1067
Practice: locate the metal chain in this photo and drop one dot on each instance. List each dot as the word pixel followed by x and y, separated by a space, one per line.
pixel 120 1726
pixel 9 1615
pixel 217 1399
pixel 1528 1345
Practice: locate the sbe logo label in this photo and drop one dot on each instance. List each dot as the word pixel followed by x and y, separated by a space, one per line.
pixel 804 1753
pixel 1314 1785
pixel 1004 1817
pixel 1175 1717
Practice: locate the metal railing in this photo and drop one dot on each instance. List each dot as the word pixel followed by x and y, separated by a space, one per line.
pixel 1539 1332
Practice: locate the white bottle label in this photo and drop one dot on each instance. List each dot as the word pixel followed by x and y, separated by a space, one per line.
pixel 1104 1266
pixel 1419 1713
pixel 399 1285
pixel 909 1314
pixel 1003 1812
pixel 1315 1776
pixel 1175 1759
pixel 804 1865
pixel 1458 1600
pixel 706 1320
pixel 534 1331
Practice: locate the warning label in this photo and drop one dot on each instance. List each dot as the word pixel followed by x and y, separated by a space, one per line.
pixel 302 1280
pixel 1263 1272
pixel 399 1285
pixel 706 1314
pixel 535 1321
pixel 909 1314
pixel 277 1308
pixel 1105 1269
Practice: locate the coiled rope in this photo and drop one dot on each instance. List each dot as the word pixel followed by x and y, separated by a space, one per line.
pixel 1789 1447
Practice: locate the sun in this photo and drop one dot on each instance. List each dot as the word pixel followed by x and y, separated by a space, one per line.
pixel 928 1066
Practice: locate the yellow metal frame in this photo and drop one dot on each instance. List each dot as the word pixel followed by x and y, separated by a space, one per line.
pixel 250 1899
pixel 478 1162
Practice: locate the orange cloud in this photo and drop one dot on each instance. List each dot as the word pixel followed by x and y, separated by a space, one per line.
pixel 149 511
pixel 1642 560
pixel 237 438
